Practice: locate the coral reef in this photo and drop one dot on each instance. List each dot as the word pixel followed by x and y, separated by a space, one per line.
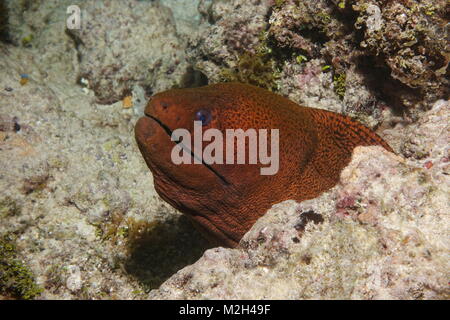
pixel 137 47
pixel 380 234
pixel 410 38
pixel 376 53
pixel 258 69
pixel 38 26
pixel 224 35
pixel 185 13
pixel 80 218
pixel 425 142
pixel 75 191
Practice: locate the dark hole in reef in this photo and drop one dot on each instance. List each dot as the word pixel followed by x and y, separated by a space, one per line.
pixel 281 54
pixel 379 80
pixel 314 34
pixel 193 78
pixel 17 126
pixel 306 259
pixel 77 42
pixel 160 249
pixel 306 217
pixel 148 91
pixel 4 19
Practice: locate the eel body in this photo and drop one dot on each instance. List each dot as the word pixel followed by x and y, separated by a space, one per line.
pixel 225 200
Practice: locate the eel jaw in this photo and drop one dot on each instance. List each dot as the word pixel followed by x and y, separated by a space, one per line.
pixel 169 133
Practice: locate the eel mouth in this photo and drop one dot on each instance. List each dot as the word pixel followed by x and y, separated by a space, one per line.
pixel 169 133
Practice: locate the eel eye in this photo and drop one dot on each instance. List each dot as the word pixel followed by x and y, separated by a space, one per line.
pixel 204 116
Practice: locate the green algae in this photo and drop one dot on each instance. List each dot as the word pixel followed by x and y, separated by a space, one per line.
pixel 339 84
pixel 26 41
pixel 301 58
pixel 16 279
pixel 9 207
pixel 257 69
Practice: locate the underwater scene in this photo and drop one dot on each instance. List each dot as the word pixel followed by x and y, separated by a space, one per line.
pixel 224 150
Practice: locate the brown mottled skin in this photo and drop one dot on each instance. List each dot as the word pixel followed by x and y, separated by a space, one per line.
pixel 226 200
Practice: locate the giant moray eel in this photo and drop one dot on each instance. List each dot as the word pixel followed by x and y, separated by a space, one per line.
pixel 225 200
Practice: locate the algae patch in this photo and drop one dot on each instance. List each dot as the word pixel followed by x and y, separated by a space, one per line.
pixel 9 207
pixel 256 69
pixel 16 280
pixel 339 84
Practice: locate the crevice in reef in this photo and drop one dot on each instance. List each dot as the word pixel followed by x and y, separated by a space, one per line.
pixel 158 250
pixel 193 78
pixel 4 26
pixel 378 79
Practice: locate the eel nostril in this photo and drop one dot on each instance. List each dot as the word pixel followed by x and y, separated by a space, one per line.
pixel 164 105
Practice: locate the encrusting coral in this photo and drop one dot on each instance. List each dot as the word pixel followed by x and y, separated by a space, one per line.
pixel 391 51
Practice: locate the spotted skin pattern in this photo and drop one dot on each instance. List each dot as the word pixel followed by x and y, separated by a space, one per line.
pixel 225 200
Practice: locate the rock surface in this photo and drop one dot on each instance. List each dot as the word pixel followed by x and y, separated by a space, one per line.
pixel 352 56
pixel 137 46
pixel 77 201
pixel 381 233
